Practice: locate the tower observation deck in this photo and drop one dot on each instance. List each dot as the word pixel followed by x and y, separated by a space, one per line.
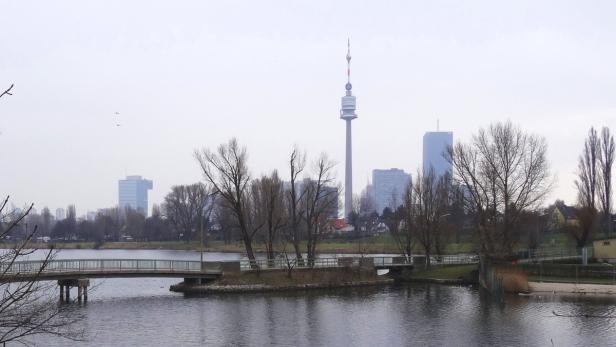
pixel 347 113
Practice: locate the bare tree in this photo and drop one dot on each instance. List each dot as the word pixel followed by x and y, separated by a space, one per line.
pixel 46 221
pixel 26 306
pixel 401 223
pixel 504 172
pixel 297 164
pixel 429 206
pixel 320 198
pixel 184 207
pixel 606 161
pixel 226 222
pixel 587 184
pixel 227 171
pixel 134 223
pixel 268 201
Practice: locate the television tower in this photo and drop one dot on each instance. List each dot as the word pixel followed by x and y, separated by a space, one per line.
pixel 347 113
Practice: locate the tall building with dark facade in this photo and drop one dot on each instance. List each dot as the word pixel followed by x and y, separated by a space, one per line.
pixel 435 146
pixel 133 193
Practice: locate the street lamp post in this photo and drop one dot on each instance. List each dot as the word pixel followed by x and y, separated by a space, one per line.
pixel 439 257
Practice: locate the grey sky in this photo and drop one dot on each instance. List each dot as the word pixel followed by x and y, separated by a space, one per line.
pixel 187 74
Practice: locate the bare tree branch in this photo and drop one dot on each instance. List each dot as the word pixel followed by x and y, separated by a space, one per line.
pixel 27 307
pixel 7 92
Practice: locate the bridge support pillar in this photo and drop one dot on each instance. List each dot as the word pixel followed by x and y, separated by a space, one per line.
pixel 82 285
pixel 82 289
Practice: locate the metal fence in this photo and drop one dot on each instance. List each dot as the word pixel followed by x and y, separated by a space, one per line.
pixel 382 261
pixel 554 254
pixel 294 263
pixel 599 273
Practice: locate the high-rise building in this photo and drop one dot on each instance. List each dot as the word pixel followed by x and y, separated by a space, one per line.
pixel 389 187
pixel 91 216
pixel 60 214
pixel 133 193
pixel 435 146
pixel 347 113
pixel 329 195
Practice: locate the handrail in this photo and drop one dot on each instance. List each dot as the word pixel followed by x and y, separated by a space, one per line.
pixel 99 265
pixel 168 265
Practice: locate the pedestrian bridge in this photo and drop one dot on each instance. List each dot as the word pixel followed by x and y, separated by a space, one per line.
pixel 77 272
pixel 110 268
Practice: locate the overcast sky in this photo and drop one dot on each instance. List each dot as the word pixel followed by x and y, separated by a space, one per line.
pixel 188 74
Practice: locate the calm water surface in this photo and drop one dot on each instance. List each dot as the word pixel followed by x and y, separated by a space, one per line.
pixel 142 312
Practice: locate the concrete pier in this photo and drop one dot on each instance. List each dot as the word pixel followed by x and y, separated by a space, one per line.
pixel 82 285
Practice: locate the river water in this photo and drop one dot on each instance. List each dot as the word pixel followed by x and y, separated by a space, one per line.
pixel 142 312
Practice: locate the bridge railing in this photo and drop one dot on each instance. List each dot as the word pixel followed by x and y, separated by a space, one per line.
pixel 100 265
pixel 453 259
pixel 284 263
pixel 163 266
pixel 378 261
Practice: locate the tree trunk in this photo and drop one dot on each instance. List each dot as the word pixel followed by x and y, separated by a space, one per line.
pixel 248 245
pixel 270 247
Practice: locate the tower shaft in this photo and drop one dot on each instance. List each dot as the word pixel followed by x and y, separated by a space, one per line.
pixel 348 172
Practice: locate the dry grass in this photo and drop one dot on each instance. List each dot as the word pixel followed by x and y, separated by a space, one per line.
pixel 513 281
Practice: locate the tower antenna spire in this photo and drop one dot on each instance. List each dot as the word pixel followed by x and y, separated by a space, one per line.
pixel 348 58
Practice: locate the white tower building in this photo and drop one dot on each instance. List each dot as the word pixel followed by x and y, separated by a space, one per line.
pixel 347 113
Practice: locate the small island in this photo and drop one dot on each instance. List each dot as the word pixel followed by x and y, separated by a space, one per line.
pixel 260 276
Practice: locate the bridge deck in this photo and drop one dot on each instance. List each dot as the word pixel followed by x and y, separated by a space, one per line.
pixel 108 268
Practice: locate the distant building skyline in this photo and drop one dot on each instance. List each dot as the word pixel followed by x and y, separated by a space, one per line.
pixel 388 186
pixel 133 193
pixel 435 145
pixel 91 216
pixel 60 214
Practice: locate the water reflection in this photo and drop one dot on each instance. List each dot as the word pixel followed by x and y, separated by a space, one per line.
pixel 125 312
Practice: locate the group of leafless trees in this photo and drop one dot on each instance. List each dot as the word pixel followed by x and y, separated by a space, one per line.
pixel 504 173
pixel 426 216
pixel 108 224
pixel 499 177
pixel 594 186
pixel 267 209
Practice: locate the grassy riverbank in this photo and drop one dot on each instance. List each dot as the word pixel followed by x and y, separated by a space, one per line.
pixel 377 244
pixel 445 273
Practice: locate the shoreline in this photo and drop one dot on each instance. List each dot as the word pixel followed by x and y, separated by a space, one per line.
pixel 181 246
pixel 261 288
pixel 535 288
pixel 277 280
